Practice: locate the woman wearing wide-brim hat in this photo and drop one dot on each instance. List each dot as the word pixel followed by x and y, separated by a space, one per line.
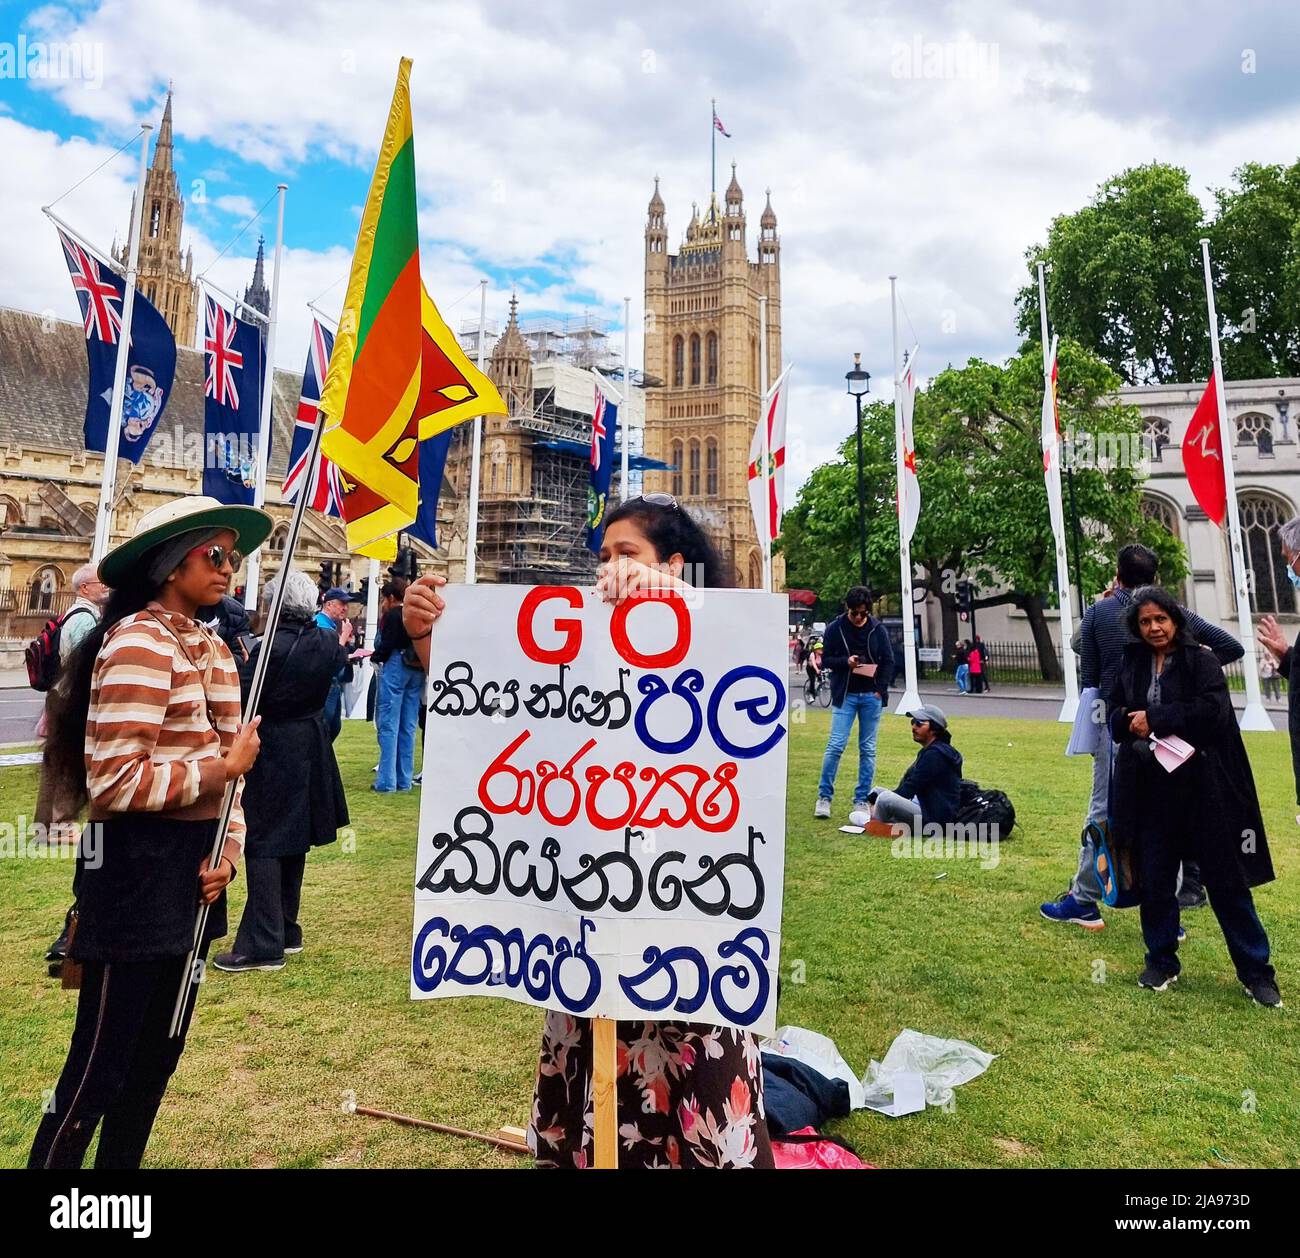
pixel 148 733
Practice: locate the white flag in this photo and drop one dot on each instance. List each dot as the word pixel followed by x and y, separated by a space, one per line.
pixel 909 506
pixel 773 414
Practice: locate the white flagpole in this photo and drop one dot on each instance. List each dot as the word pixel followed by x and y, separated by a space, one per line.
pixel 1256 715
pixel 108 487
pixel 358 712
pixel 911 699
pixel 476 459
pixel 627 391
pixel 264 424
pixel 767 444
pixel 1056 513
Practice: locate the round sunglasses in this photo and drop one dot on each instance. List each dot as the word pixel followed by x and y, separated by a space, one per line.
pixel 217 556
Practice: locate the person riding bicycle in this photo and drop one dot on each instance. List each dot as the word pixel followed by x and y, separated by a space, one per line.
pixel 813 665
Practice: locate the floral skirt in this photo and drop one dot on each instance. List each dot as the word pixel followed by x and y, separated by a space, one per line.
pixel 689 1096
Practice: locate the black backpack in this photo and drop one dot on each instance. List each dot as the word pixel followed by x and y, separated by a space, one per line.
pixel 978 805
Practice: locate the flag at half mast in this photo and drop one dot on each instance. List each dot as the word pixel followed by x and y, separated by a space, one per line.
pixel 396 374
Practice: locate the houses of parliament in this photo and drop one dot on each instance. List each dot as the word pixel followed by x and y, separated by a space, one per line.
pixel 699 408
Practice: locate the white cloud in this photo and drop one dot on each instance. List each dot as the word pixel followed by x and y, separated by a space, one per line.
pixel 539 129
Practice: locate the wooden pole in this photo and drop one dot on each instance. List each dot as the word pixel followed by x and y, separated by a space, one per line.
pixel 604 1092
pixel 510 1146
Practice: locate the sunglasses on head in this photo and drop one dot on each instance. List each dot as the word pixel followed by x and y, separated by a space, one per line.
pixel 217 556
pixel 658 500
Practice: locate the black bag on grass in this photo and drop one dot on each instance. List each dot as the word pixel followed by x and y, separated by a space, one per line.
pixel 979 805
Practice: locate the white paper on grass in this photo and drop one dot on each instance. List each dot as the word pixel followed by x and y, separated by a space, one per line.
pixel 622 956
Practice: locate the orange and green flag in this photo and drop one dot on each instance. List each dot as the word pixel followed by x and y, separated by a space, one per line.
pixel 396 373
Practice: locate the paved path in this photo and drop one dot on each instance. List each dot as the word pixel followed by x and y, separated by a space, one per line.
pixel 19 711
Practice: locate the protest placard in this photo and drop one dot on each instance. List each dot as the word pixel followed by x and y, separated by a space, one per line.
pixel 602 829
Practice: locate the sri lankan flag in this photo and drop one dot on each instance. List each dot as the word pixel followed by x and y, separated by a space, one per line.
pixel 396 374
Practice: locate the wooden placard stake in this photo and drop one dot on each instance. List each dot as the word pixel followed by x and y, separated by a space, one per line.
pixel 604 1092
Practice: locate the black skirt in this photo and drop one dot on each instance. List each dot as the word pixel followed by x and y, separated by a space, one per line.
pixel 138 889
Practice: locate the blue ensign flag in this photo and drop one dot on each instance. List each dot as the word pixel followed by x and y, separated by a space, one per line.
pixel 232 404
pixel 151 354
pixel 604 430
pixel 433 459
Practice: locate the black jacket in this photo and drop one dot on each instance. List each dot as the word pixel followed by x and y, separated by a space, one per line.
pixel 229 618
pixel 935 780
pixel 393 638
pixel 293 794
pixel 1209 803
pixel 871 642
pixel 1289 666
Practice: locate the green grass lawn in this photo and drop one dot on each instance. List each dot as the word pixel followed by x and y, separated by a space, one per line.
pixel 1088 1074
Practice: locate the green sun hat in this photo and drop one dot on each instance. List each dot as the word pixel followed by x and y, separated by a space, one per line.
pixel 251 528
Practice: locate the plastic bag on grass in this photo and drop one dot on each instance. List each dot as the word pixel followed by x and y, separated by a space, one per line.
pixel 941 1064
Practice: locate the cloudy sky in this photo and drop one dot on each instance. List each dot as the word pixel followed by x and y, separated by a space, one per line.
pixel 931 140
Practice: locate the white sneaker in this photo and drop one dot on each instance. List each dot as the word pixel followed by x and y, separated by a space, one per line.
pixel 823 809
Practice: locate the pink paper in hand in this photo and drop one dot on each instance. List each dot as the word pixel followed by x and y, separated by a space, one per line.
pixel 1172 751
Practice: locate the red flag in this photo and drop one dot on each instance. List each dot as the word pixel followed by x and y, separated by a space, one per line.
pixel 1203 456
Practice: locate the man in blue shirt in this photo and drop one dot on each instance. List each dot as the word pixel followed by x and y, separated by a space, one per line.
pixel 333 615
pixel 1103 635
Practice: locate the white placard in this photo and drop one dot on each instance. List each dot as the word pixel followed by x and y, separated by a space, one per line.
pixel 602 828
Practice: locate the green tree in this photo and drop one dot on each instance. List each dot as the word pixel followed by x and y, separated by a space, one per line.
pixel 1255 244
pixel 984 503
pixel 1125 277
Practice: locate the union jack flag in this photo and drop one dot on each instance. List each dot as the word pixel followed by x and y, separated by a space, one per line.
pixel 219 330
pixel 95 294
pixel 597 429
pixel 325 493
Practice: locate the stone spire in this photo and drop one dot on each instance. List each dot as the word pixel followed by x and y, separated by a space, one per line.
pixel 257 295
pixel 162 149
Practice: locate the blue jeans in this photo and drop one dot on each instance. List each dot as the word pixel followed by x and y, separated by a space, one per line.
pixel 963 678
pixel 866 707
pixel 401 691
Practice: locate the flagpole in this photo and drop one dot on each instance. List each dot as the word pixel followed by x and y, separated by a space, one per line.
pixel 193 970
pixel 108 486
pixel 713 150
pixel 1255 715
pixel 764 423
pixel 476 458
pixel 1056 516
pixel 627 390
pixel 911 699
pixel 264 423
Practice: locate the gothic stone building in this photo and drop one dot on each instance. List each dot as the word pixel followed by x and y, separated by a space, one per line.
pixel 702 342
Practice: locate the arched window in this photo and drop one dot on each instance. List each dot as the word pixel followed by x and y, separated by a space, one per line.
pixel 10 512
pixel 278 537
pixel 1155 436
pixel 711 467
pixel 1270 591
pixel 695 358
pixel 1256 430
pixel 678 363
pixel 755 571
pixel 675 458
pixel 154 216
pixel 45 585
pixel 1163 512
pixel 693 482
pixel 711 358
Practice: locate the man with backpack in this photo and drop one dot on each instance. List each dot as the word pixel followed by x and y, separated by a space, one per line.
pixel 47 655
pixel 930 791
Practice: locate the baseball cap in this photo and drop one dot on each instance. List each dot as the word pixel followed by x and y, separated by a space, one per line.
pixel 339 593
pixel 929 712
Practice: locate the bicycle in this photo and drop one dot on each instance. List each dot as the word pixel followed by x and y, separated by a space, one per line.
pixel 818 692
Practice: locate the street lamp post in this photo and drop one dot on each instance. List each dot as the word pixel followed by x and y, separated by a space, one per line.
pixel 859 382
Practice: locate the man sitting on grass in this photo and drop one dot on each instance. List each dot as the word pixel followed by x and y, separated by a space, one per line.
pixel 931 789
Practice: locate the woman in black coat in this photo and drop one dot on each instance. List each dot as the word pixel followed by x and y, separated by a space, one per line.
pixel 1205 810
pixel 293 799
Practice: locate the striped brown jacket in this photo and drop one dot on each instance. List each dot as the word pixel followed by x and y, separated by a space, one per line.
pixel 150 746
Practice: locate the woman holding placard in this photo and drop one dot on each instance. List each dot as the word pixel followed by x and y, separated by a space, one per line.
pixel 688 1095
pixel 1182 789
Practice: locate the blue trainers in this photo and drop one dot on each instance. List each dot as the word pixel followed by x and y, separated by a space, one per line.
pixel 1076 912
